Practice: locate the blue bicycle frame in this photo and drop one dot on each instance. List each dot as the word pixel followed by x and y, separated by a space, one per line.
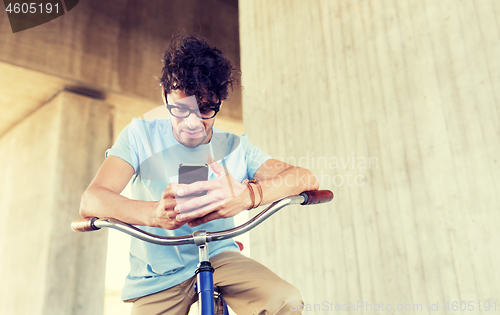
pixel 204 276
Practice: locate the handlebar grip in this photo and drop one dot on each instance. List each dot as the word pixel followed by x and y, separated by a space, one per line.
pixel 84 225
pixel 313 197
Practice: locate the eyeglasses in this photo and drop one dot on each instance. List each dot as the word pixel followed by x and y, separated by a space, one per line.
pixel 204 110
pixel 184 111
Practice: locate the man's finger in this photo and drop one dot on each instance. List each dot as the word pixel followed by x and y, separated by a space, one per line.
pixel 187 204
pixel 182 217
pixel 221 171
pixel 209 217
pixel 169 191
pixel 195 214
pixel 184 190
pixel 216 167
pixel 170 214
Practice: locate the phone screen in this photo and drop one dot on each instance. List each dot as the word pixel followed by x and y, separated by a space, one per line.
pixel 189 174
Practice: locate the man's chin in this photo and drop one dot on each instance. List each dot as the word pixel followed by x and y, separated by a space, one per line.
pixel 192 142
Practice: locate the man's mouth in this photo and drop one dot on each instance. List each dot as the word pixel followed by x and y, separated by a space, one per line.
pixel 194 134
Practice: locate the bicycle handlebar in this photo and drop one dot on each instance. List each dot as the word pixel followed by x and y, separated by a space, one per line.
pixel 313 197
pixel 305 198
pixel 84 225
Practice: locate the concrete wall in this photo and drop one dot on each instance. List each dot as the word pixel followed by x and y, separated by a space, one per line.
pixel 48 160
pixel 113 49
pixel 410 86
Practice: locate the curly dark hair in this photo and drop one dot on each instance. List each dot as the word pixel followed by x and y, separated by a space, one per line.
pixel 191 64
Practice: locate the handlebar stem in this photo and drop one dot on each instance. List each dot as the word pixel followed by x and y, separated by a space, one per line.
pixel 200 239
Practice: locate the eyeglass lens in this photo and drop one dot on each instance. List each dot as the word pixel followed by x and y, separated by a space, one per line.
pixel 183 112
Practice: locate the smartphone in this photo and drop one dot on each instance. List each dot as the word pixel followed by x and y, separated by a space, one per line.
pixel 191 173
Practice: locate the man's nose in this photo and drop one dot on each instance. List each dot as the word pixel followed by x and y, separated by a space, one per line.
pixel 192 121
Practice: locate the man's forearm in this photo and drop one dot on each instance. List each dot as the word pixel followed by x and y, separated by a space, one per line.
pixel 275 185
pixel 104 203
pixel 289 182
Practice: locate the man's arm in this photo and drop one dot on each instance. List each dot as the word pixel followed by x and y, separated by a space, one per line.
pixel 277 179
pixel 102 199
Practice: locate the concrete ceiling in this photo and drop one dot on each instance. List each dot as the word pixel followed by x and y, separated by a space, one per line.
pixel 24 91
pixel 112 51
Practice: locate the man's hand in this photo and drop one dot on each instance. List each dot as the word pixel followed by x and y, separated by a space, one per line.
pixel 224 198
pixel 165 215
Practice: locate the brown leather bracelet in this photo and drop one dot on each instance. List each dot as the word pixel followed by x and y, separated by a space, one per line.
pixel 252 194
pixel 259 188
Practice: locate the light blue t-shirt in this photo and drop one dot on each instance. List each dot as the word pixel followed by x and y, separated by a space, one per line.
pixel 150 148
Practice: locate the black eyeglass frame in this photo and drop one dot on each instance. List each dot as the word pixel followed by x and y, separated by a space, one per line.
pixel 216 108
pixel 195 111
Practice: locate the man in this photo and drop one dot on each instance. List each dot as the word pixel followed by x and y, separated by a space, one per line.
pixel 196 78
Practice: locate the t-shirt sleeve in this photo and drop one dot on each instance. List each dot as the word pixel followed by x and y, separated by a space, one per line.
pixel 254 156
pixel 125 147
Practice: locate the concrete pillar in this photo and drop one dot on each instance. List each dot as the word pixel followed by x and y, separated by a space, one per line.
pixel 394 106
pixel 48 160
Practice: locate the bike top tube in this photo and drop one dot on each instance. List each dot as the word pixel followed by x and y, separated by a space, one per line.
pixel 198 237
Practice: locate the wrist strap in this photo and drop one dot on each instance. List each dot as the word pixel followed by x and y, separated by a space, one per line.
pixel 259 188
pixel 252 194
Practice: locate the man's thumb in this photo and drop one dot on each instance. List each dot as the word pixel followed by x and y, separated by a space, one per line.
pixel 216 167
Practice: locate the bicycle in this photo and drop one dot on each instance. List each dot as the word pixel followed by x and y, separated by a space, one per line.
pixel 210 299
